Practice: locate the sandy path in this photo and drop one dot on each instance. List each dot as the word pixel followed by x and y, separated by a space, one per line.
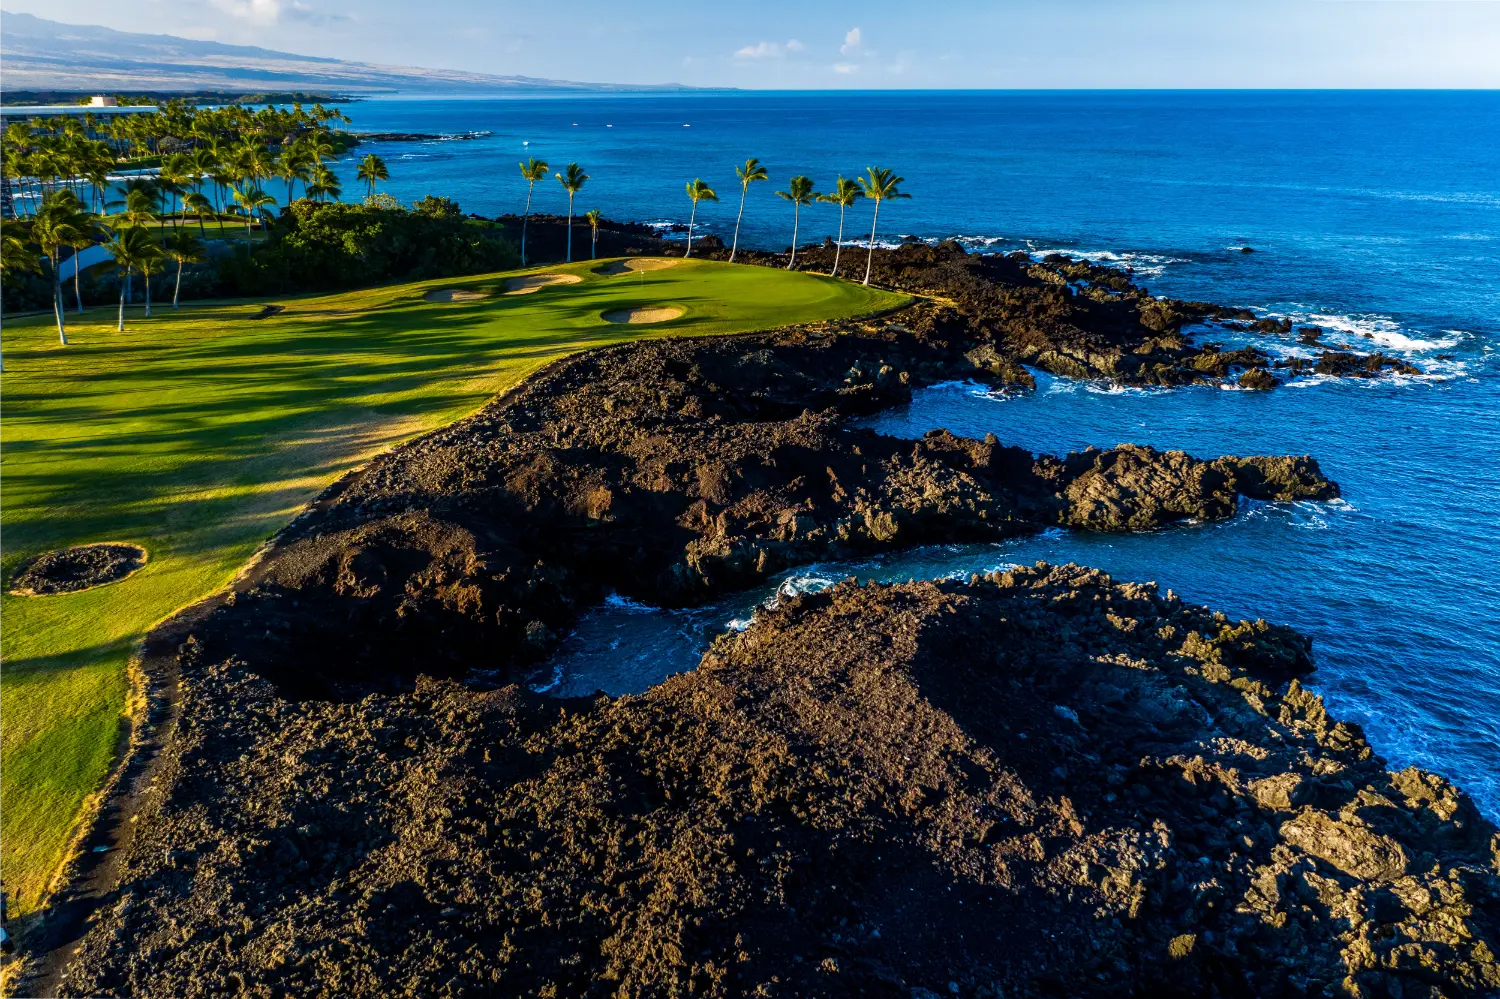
pixel 536 282
pixel 637 316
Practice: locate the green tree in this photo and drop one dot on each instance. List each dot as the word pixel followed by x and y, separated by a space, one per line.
pixel 845 193
pixel 592 217
pixel 16 255
pixel 185 248
pixel 800 192
pixel 371 171
pixel 87 230
pixel 572 180
pixel 880 185
pixel 133 249
pixel 748 174
pixel 532 171
pixel 57 223
pixel 698 191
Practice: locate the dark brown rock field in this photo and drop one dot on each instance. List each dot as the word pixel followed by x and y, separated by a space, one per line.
pixel 1039 783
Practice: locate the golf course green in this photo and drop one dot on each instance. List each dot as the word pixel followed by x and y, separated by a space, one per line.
pixel 196 434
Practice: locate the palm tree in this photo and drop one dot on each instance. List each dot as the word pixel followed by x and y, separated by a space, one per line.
pixel 293 165
pixel 57 223
pixel 748 174
pixel 197 205
pixel 15 257
pixel 592 217
pixel 325 183
pixel 372 169
pixel 254 201
pixel 131 247
pixel 185 248
pixel 845 193
pixel 572 180
pixel 85 239
pixel 800 193
pixel 698 191
pixel 879 186
pixel 532 171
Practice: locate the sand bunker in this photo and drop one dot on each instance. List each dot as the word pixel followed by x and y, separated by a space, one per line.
pixel 68 570
pixel 527 285
pixel 637 316
pixel 637 264
pixel 454 295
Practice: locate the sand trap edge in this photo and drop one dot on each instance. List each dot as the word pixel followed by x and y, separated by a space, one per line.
pixel 639 317
pixel 536 282
pixel 454 295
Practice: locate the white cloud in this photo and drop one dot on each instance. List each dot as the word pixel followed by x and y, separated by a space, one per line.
pixel 769 50
pixel 845 67
pixel 764 50
pixel 254 11
pixel 852 41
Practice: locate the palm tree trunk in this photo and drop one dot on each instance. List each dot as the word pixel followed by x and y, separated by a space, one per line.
pixel 870 257
pixel 146 280
pixel 691 219
pixel 177 291
pixel 57 299
pixel 570 227
pixel 744 190
pixel 525 219
pixel 594 246
pixel 77 293
pixel 201 231
pixel 121 327
pixel 838 247
pixel 796 223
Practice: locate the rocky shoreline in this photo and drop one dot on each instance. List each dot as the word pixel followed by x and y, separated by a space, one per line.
pixel 1038 783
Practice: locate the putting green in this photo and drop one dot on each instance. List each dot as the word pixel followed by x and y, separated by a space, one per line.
pixel 197 434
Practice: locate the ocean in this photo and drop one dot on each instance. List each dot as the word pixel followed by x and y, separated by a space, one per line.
pixel 1373 215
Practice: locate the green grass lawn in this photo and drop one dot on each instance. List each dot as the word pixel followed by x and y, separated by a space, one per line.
pixel 197 434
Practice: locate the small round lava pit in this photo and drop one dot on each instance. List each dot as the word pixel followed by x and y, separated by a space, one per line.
pixel 69 570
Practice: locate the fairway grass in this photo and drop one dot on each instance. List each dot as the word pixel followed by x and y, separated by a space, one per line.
pixel 197 434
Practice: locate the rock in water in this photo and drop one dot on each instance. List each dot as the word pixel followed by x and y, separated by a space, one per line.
pixel 1037 783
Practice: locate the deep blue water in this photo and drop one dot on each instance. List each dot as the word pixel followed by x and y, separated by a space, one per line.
pixel 1376 216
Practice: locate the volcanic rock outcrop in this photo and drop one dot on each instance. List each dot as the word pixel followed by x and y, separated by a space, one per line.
pixel 672 472
pixel 1040 783
pixel 1083 320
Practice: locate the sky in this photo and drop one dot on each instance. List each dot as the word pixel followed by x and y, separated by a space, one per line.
pixel 815 44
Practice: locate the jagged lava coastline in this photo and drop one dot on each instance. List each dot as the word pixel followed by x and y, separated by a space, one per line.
pixel 1042 782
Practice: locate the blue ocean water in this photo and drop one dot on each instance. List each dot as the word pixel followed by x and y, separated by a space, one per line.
pixel 1373 215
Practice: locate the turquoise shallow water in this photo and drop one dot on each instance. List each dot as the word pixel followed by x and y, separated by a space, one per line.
pixel 1376 216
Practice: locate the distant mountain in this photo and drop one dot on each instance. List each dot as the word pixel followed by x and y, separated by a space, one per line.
pixel 38 54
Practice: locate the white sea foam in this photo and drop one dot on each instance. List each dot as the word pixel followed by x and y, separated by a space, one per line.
pixel 1143 264
pixel 1382 330
pixel 626 605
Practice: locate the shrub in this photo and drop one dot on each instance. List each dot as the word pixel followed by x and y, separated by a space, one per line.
pixel 318 247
